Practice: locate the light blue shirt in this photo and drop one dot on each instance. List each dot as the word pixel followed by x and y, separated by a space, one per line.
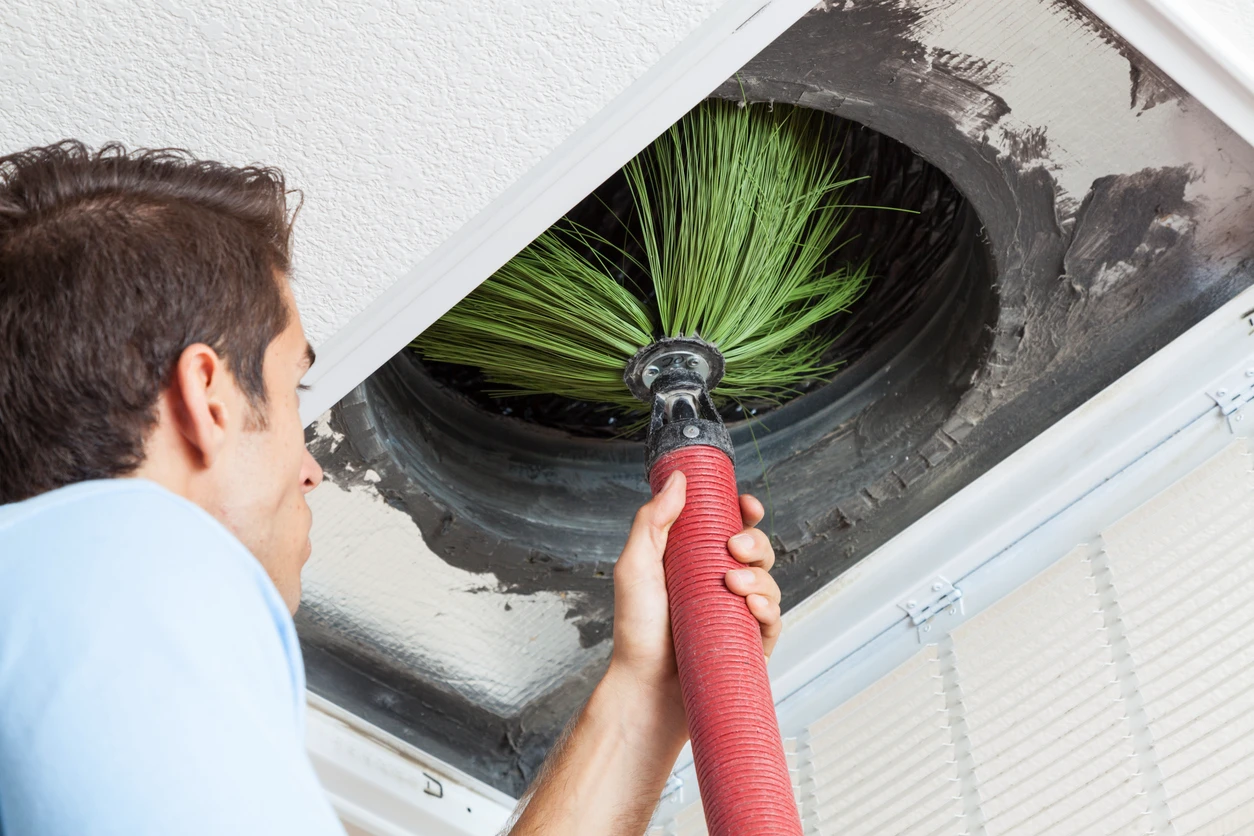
pixel 151 683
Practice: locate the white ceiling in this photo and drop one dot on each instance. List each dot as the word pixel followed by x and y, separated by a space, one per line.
pixel 400 121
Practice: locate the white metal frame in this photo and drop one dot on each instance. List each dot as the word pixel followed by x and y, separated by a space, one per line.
pixel 384 786
pixel 1157 400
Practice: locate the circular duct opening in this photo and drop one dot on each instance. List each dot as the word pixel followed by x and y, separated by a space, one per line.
pixel 524 487
pixel 904 250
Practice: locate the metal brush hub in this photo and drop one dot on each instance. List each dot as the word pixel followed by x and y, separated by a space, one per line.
pixel 672 354
pixel 674 376
pixel 678 359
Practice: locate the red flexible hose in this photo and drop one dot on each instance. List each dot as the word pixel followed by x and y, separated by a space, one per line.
pixel 736 743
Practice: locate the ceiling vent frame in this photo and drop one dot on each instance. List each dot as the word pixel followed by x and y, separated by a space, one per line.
pixel 1174 41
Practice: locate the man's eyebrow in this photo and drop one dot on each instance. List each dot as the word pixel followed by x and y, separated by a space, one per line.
pixel 310 357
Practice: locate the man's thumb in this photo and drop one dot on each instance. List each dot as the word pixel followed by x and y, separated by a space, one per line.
pixel 655 518
pixel 670 500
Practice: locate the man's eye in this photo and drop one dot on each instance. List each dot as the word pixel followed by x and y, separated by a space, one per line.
pixel 302 387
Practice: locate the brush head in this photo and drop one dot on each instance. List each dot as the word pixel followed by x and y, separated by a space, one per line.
pixel 733 235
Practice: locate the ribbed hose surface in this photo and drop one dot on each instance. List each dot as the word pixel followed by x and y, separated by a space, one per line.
pixel 718 644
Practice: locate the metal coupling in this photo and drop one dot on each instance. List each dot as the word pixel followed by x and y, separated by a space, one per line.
pixel 675 376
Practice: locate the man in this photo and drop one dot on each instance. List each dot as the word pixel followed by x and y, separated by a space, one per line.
pixel 153 524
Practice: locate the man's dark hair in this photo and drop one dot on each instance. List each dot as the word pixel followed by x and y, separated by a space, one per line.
pixel 111 264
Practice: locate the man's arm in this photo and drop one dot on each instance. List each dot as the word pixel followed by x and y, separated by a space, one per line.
pixel 605 775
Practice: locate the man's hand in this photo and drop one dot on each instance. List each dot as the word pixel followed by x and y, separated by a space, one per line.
pixel 605 776
pixel 644 658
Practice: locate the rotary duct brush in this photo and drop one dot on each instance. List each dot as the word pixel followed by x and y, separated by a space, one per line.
pixel 736 743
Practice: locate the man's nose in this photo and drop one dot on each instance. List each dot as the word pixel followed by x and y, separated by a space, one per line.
pixel 310 473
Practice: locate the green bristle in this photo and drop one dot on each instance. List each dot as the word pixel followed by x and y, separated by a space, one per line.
pixel 740 211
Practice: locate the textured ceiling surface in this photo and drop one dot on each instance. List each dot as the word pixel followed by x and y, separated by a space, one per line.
pixel 399 121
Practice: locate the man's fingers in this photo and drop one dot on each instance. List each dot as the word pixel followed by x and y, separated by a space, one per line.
pixel 751 511
pixel 752 547
pixel 654 520
pixel 753 581
pixel 768 615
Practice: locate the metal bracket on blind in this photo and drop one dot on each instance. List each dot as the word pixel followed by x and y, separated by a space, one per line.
pixel 1233 393
pixel 930 605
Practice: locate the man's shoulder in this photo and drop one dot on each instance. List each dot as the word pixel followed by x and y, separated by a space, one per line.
pixel 96 568
pixel 134 630
pixel 121 523
pixel 111 504
pixel 118 543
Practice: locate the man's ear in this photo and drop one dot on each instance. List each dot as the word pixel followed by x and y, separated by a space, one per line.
pixel 202 396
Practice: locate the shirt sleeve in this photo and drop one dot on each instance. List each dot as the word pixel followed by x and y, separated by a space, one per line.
pixel 146 684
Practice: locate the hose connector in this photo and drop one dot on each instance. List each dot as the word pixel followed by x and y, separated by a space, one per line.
pixel 675 376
